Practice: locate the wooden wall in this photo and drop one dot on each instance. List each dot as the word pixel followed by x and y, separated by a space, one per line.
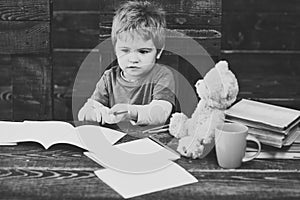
pixel 260 39
pixel 25 60
pixel 75 33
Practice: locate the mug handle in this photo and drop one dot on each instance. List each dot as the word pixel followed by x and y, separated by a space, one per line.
pixel 251 157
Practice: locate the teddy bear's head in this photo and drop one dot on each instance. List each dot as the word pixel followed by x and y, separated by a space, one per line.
pixel 219 87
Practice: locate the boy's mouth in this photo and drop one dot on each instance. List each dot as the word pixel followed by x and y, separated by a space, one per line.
pixel 132 67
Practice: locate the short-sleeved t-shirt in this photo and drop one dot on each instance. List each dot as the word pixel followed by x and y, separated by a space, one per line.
pixel 158 84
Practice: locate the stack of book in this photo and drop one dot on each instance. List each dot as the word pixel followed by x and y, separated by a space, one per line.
pixel 272 125
pixel 269 152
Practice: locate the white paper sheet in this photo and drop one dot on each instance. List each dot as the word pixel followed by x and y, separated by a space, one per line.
pixel 145 146
pixel 131 185
pixel 140 146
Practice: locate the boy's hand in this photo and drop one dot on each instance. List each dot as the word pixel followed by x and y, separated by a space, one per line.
pixel 92 111
pixel 88 113
pixel 95 111
pixel 123 112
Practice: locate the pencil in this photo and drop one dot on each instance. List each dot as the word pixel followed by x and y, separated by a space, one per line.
pixel 158 130
pixel 166 126
pixel 120 112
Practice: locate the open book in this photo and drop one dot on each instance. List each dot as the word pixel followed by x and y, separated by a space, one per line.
pixel 97 140
pixel 48 133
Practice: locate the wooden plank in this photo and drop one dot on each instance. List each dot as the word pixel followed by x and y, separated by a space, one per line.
pixel 76 5
pixel 81 30
pixel 32 87
pixel 75 39
pixel 5 87
pixel 6 112
pixel 65 67
pixel 175 20
pixel 278 6
pixel 201 7
pixel 29 171
pixel 75 20
pixel 19 37
pixel 21 10
pixel 78 29
pixel 268 77
pixel 5 70
pixel 72 184
pixel 6 103
pixel 67 64
pixel 57 155
pixel 75 29
pixel 261 31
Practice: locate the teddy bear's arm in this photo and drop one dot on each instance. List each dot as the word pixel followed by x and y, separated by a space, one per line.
pixel 178 126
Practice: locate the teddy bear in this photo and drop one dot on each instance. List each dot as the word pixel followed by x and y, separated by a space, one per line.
pixel 217 91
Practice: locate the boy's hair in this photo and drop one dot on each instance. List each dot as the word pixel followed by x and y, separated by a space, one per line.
pixel 141 17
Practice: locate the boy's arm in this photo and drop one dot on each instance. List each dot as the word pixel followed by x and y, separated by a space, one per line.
pixel 160 108
pixel 157 112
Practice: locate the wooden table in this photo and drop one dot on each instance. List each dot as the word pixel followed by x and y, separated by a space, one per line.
pixel 28 171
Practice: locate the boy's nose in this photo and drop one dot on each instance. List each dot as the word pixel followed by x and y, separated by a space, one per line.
pixel 133 57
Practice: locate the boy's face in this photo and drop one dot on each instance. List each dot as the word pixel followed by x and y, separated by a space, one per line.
pixel 136 57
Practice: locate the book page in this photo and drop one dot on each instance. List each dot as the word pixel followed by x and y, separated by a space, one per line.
pixel 48 133
pixel 10 131
pixel 272 115
pixel 276 155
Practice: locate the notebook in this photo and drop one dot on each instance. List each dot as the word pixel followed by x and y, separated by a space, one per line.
pixel 262 115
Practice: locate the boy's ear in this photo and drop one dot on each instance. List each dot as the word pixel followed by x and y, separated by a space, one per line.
pixel 160 52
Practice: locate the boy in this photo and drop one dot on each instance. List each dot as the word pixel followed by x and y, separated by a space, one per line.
pixel 138 89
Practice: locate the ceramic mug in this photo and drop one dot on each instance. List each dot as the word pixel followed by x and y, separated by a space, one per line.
pixel 230 144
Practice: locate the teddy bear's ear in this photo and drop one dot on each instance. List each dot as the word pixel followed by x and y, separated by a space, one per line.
pixel 222 66
pixel 198 83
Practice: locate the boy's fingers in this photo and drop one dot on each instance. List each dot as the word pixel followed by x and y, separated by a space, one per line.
pixel 120 109
pixel 98 115
pixel 81 114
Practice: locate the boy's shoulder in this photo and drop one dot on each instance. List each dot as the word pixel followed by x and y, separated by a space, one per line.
pixel 112 70
pixel 163 69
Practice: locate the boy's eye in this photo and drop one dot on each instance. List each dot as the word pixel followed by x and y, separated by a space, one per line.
pixel 144 51
pixel 125 50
